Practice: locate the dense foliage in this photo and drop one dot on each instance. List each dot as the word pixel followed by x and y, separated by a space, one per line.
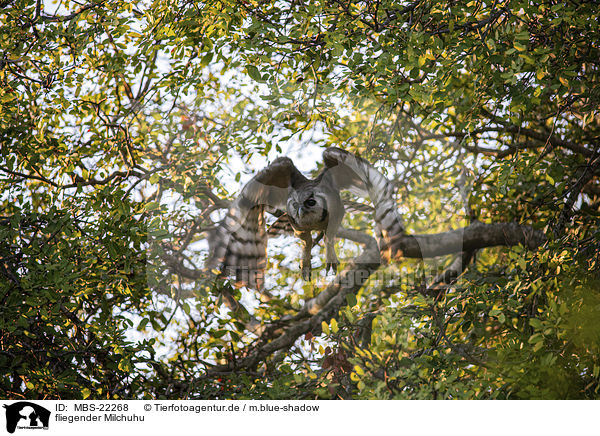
pixel 125 126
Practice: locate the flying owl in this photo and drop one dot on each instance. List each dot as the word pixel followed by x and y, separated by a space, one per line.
pixel 238 246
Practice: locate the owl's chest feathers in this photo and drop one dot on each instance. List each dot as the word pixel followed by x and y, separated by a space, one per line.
pixel 311 220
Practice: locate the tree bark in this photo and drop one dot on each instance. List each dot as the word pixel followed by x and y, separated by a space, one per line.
pixel 476 236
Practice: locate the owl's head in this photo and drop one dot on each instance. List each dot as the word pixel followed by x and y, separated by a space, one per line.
pixel 308 209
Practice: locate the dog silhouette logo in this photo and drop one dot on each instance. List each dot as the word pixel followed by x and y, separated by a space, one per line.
pixel 27 415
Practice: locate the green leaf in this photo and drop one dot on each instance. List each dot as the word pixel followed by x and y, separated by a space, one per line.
pixel 534 339
pixel 520 47
pixel 351 300
pixel 535 323
pixel 219 333
pixel 153 205
pixel 254 73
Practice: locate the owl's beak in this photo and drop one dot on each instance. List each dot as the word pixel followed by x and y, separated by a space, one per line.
pixel 301 211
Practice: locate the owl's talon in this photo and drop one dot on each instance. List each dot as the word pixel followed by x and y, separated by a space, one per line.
pixel 331 266
pixel 306 274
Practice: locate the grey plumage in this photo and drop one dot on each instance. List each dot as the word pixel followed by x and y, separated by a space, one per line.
pixel 238 246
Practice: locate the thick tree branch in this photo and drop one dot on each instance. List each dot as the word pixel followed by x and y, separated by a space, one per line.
pixel 477 235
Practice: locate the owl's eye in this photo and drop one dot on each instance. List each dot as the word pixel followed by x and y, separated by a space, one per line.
pixel 310 202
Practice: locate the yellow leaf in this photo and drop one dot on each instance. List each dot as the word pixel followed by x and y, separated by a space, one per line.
pixel 520 47
pixel 334 325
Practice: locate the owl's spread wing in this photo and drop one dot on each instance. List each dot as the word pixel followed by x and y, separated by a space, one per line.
pixel 238 247
pixel 361 178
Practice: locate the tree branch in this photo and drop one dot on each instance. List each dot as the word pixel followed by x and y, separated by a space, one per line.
pixel 574 191
pixel 477 235
pixel 528 133
pixel 63 18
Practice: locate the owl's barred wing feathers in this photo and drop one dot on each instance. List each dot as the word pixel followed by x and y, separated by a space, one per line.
pixel 238 247
pixel 361 178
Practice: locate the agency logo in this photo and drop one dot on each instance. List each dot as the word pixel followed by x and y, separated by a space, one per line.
pixel 26 415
